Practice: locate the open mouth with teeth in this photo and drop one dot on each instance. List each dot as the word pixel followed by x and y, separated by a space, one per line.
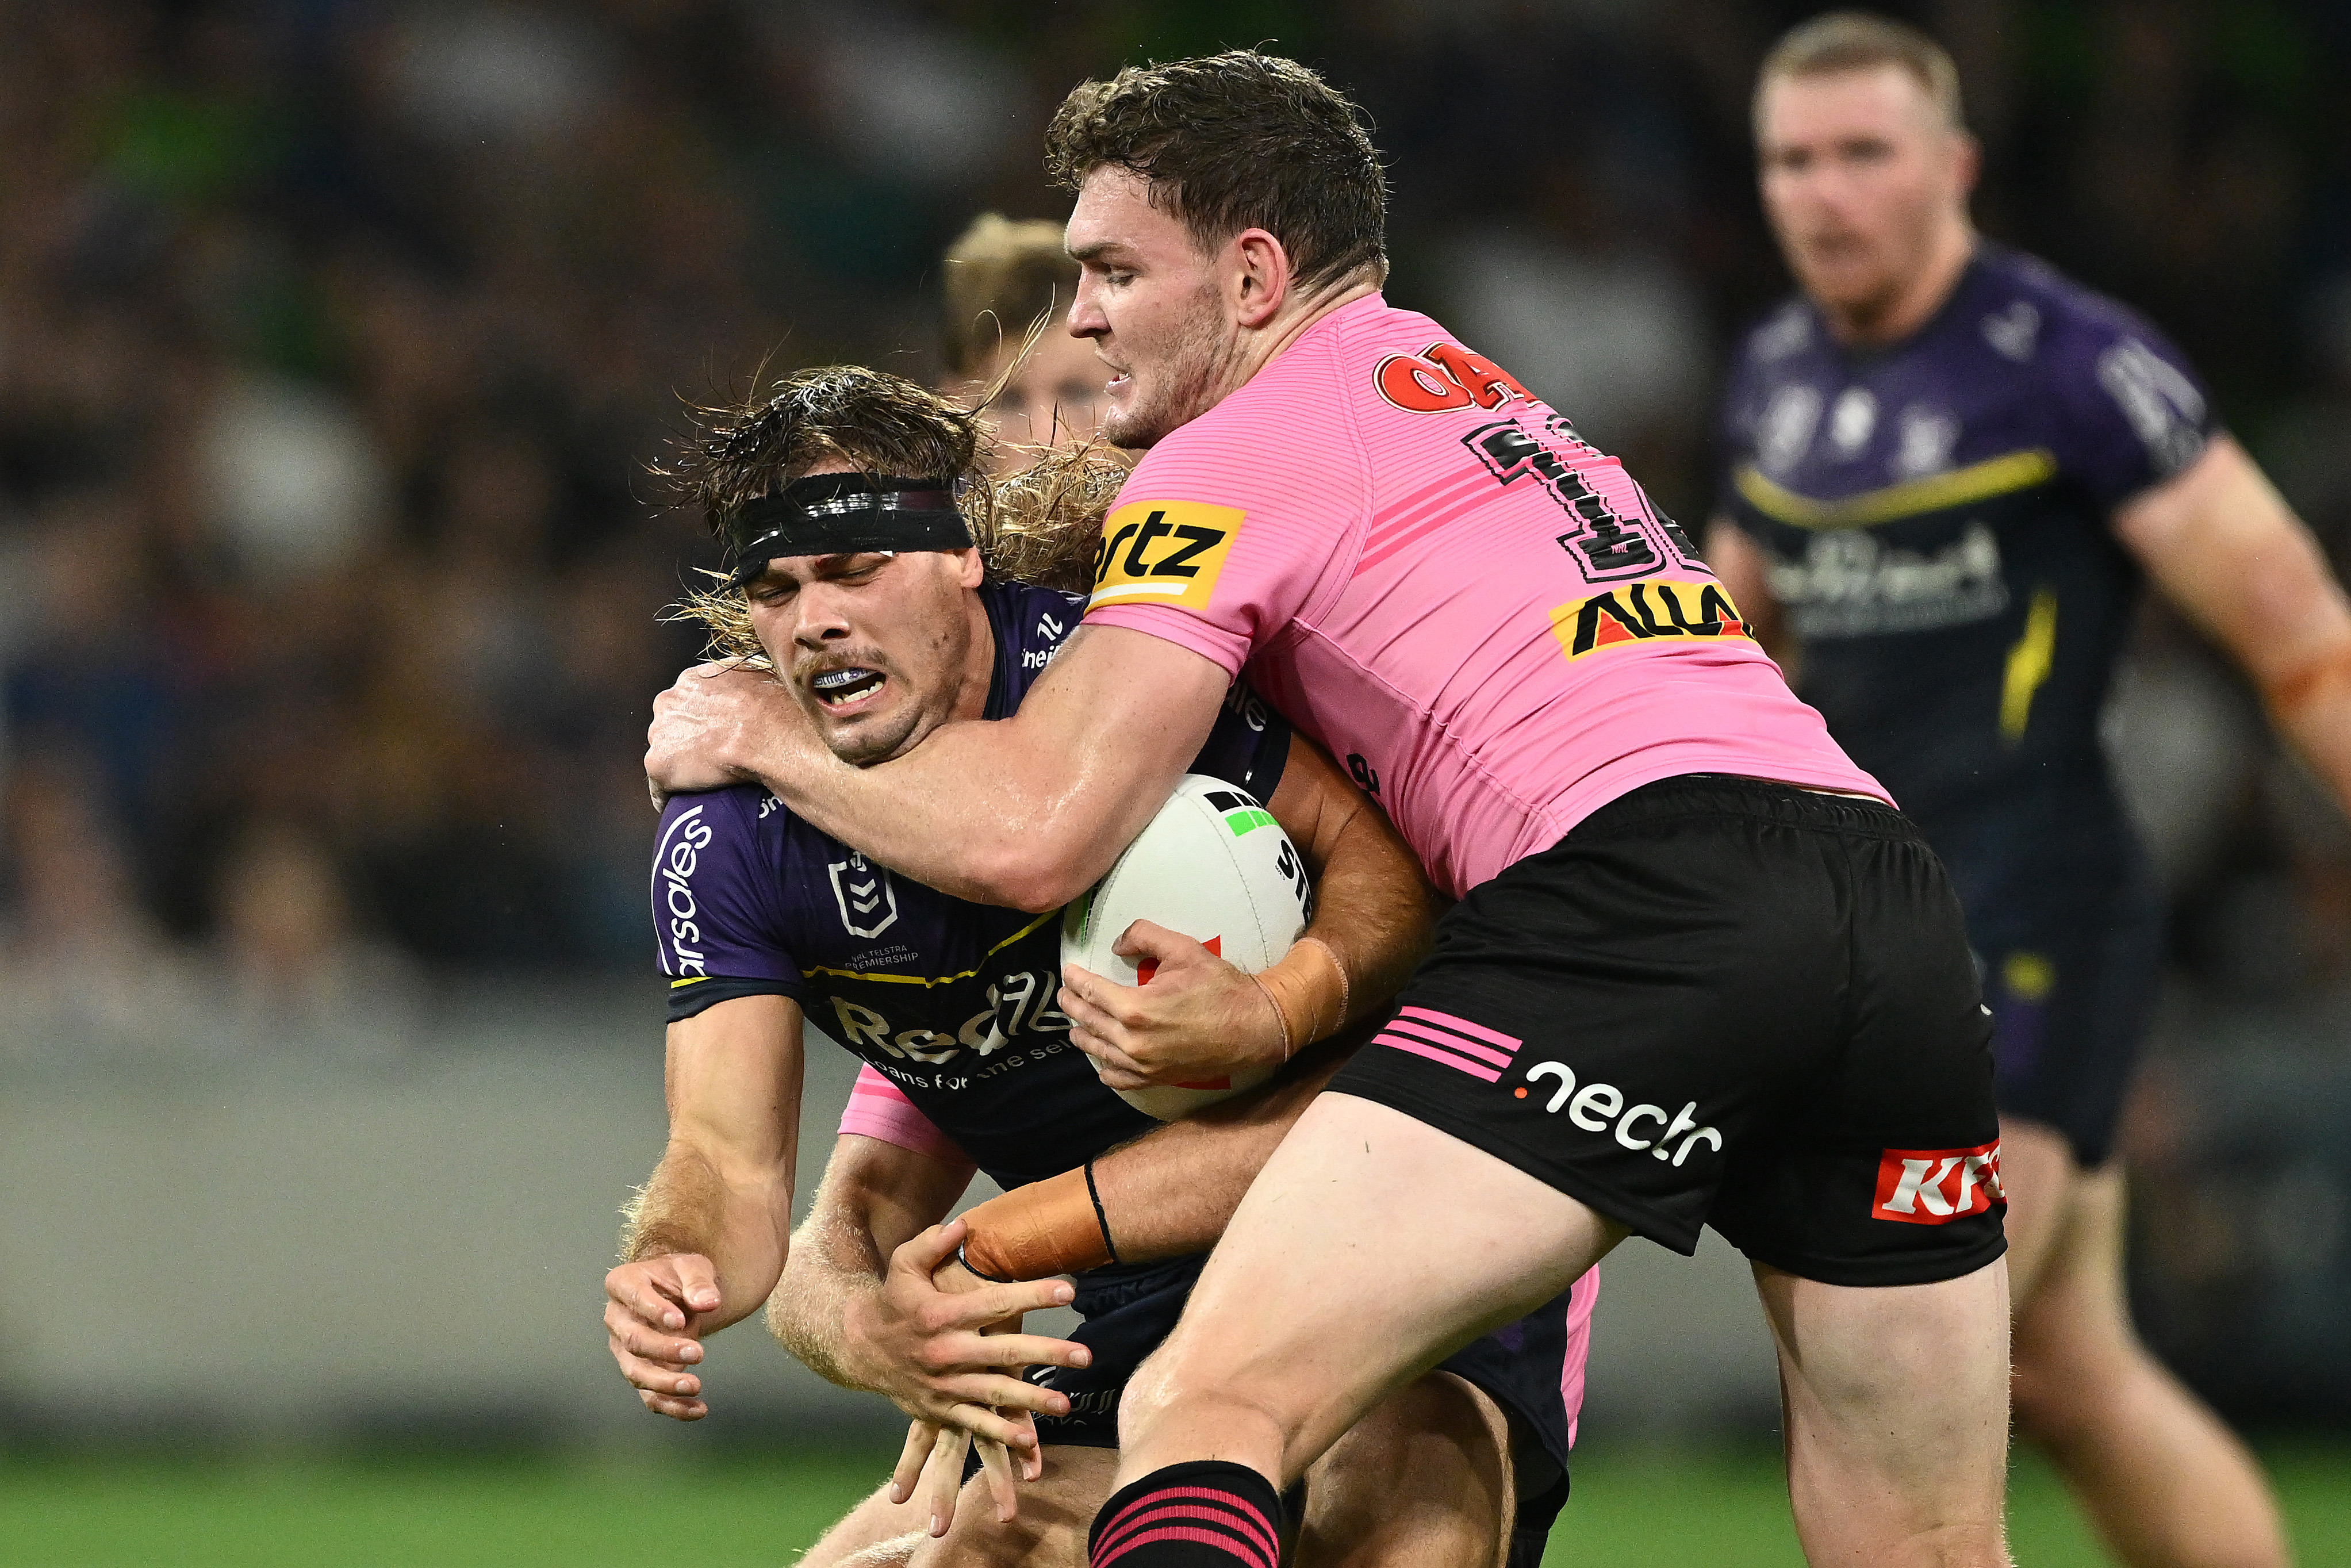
pixel 838 689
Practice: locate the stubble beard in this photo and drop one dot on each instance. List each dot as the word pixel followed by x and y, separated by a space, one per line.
pixel 1188 385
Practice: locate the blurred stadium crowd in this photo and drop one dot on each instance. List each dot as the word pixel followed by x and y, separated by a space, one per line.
pixel 335 337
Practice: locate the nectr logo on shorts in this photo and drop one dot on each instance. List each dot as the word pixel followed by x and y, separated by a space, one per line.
pixel 1641 612
pixel 1164 552
pixel 1488 1053
pixel 1443 377
pixel 1596 1105
pixel 1934 1186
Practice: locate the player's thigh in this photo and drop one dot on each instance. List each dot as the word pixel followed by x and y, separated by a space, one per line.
pixel 1370 1247
pixel 869 1524
pixel 2040 1178
pixel 2073 1341
pixel 1049 1531
pixel 1425 1477
pixel 1897 1408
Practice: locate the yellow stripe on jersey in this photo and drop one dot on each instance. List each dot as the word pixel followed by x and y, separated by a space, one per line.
pixel 1981 481
pixel 937 980
pixel 2029 663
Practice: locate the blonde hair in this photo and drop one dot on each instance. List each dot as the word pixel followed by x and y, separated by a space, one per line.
pixel 1001 277
pixel 1857 41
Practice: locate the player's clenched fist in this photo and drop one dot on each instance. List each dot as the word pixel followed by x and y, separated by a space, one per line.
pixel 1197 1017
pixel 712 723
pixel 655 1312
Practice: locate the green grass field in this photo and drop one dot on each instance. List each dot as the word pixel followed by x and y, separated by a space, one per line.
pixel 742 1512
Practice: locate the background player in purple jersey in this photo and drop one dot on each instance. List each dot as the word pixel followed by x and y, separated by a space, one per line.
pixel 1947 470
pixel 854 589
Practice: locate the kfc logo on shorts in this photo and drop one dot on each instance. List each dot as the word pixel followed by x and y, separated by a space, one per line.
pixel 1934 1186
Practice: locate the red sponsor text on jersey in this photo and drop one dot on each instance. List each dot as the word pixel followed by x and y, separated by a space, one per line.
pixel 1444 376
pixel 1934 1186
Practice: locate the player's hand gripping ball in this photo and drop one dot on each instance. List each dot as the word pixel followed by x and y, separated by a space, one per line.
pixel 1216 867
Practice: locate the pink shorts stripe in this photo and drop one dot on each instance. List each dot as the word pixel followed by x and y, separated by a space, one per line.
pixel 1490 1075
pixel 1474 1031
pixel 1243 1517
pixel 1432 1035
pixel 1240 1550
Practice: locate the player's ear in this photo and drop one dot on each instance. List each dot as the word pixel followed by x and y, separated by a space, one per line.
pixel 1966 163
pixel 1259 281
pixel 970 571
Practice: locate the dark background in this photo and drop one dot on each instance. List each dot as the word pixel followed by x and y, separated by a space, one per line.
pixel 336 339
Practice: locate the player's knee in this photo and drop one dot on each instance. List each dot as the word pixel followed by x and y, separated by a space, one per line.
pixel 897 1553
pixel 1433 1416
pixel 976 1540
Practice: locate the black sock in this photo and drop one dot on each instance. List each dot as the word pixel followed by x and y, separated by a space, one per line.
pixel 1205 1513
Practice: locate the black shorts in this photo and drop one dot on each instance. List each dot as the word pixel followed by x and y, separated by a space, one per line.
pixel 1720 1001
pixel 2071 978
pixel 1130 1309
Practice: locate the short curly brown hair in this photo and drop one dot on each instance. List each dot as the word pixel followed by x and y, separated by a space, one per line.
pixel 1234 141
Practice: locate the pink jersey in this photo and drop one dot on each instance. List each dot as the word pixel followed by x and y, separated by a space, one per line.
pixel 1432 574
pixel 879 1109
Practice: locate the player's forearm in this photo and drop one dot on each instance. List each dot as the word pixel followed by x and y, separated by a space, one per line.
pixel 1373 910
pixel 2314 714
pixel 1173 1191
pixel 2227 549
pixel 1168 1194
pixel 835 1272
pixel 875 1196
pixel 1029 810
pixel 739 1219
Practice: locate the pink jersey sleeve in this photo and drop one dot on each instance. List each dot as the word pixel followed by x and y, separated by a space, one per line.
pixel 877 1108
pixel 1218 543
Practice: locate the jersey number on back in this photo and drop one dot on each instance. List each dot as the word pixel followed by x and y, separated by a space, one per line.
pixel 1609 545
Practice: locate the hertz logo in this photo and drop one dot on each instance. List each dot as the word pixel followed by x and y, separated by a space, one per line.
pixel 1164 552
pixel 1644 611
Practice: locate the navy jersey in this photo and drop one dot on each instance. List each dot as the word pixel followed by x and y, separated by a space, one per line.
pixel 1934 518
pixel 951 1001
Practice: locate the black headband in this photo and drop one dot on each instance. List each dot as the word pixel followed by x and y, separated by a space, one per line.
pixel 840 513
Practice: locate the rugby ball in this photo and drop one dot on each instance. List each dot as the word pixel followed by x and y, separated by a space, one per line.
pixel 1215 865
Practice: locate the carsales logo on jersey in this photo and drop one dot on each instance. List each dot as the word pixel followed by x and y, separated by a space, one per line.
pixel 1444 377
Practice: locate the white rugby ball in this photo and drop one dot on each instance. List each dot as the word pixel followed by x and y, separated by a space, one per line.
pixel 1215 865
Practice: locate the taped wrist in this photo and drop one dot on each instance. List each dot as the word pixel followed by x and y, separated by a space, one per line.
pixel 1308 989
pixel 1033 1233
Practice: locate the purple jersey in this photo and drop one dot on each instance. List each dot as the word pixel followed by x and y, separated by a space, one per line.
pixel 952 1001
pixel 1935 516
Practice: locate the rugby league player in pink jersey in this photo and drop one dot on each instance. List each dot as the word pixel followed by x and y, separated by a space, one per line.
pixel 1701 972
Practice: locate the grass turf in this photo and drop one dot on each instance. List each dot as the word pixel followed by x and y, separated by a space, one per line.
pixel 1726 1509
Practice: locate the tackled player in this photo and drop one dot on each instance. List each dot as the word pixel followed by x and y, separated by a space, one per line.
pixel 1701 971
pixel 866 597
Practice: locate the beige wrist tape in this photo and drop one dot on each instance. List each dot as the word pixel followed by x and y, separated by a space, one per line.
pixel 1308 989
pixel 1034 1232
